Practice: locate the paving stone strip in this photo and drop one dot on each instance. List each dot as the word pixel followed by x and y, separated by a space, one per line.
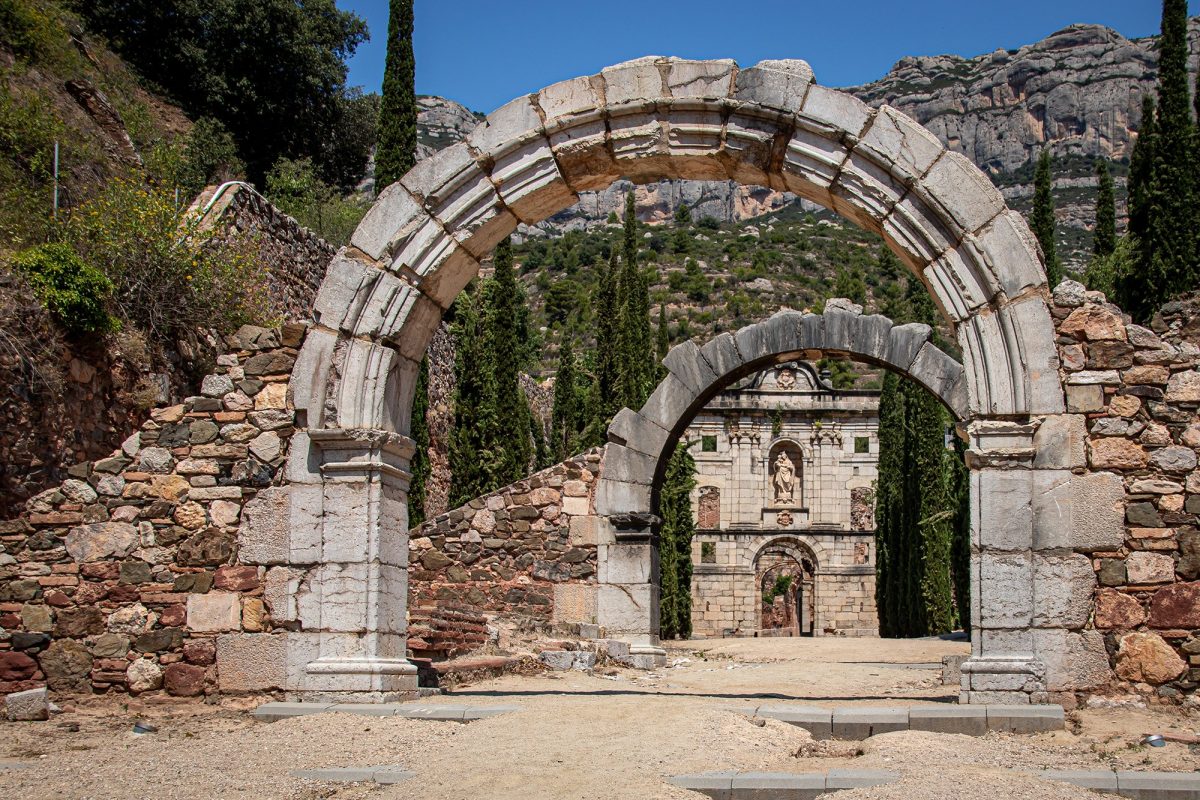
pixel 771 785
pixel 805 786
pixel 272 712
pixel 862 722
pixel 383 775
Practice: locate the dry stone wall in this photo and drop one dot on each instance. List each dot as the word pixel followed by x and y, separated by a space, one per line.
pixel 1133 393
pixel 525 555
pixel 130 576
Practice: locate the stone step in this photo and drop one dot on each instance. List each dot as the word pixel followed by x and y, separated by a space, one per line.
pixel 861 722
pixel 272 712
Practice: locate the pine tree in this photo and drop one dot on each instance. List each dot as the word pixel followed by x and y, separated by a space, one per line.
pixel 513 446
pixel 565 416
pixel 675 544
pixel 397 149
pixel 420 467
pixel 1104 240
pixel 471 457
pixel 850 284
pixel 1043 217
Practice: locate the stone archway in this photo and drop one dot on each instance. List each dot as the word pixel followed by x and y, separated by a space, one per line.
pixel 649 119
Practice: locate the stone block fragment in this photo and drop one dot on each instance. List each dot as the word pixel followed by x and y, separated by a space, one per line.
pixel 32 705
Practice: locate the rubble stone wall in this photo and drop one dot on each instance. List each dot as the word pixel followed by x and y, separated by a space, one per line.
pixel 131 576
pixel 525 555
pixel 1133 395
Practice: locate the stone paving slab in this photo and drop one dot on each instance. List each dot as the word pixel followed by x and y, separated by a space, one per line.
pixel 272 712
pixel 381 775
pixel 1025 719
pixel 968 720
pixel 804 786
pixel 861 722
pixel 1159 785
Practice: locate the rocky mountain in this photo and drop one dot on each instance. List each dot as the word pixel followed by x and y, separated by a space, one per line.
pixel 1078 91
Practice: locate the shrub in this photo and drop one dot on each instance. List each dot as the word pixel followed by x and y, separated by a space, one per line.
pixel 207 154
pixel 171 276
pixel 293 186
pixel 74 292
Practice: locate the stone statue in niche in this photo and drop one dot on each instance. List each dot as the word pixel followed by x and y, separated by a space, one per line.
pixel 785 479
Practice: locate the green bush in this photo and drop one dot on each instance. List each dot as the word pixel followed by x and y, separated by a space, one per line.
pixel 171 275
pixel 294 187
pixel 74 292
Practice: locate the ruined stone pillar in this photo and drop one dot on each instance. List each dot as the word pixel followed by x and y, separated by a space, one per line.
pixel 627 604
pixel 1003 667
pixel 353 523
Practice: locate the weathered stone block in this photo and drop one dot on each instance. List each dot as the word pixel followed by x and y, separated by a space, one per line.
pixel 29 706
pixel 251 662
pixel 1062 590
pixel 1081 512
pixel 1060 442
pixel 214 611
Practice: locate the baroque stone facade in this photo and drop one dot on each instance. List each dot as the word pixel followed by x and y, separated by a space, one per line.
pixel 781 461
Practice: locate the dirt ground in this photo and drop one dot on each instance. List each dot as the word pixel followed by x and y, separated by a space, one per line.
pixel 616 735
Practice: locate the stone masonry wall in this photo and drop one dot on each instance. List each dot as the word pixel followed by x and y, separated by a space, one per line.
pixel 525 555
pixel 130 576
pixel 296 257
pixel 1133 395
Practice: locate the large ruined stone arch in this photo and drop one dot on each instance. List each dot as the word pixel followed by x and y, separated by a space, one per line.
pixel 646 120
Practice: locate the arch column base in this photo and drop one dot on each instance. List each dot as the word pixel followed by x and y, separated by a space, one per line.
pixel 647 656
pixel 1001 679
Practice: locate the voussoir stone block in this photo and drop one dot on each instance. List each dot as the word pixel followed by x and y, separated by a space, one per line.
pixel 905 342
pixel 628 466
pixel 669 404
pixel 780 85
pixel 963 193
pixel 632 430
pixel 685 362
pixel 898 142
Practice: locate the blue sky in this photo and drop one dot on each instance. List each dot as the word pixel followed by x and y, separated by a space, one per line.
pixel 483 54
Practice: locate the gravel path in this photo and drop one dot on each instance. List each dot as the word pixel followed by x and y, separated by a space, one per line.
pixel 576 736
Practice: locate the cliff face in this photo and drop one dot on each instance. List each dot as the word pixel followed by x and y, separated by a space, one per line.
pixel 1078 91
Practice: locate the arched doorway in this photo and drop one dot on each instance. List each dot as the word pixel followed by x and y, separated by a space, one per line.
pixel 785 574
pixel 654 118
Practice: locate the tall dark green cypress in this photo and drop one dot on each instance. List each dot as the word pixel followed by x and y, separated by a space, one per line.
pixel 1168 258
pixel 1141 170
pixel 675 545
pixel 890 520
pixel 397 149
pixel 1043 223
pixel 636 369
pixel 513 446
pixel 420 467
pixel 959 479
pixel 1104 238
pixel 662 341
pixel 565 416
pixel 471 456
pixel 919 504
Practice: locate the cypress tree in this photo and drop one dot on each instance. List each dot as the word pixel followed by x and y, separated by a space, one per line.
pixel 603 401
pixel 420 467
pixel 565 415
pixel 397 149
pixel 1043 217
pixel 471 439
pixel 960 554
pixel 1169 250
pixel 663 341
pixel 675 544
pixel 1141 169
pixel 1104 240
pixel 890 522
pixel 635 371
pixel 513 446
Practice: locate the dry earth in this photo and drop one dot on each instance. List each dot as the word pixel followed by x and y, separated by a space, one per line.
pixel 615 735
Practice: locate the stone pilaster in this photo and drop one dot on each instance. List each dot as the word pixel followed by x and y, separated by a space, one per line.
pixel 353 610
pixel 627 605
pixel 1003 667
